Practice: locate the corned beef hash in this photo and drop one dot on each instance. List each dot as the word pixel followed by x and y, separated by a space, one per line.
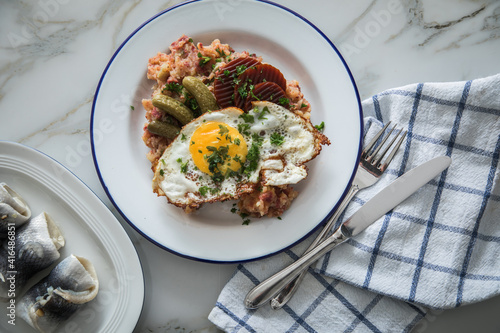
pixel 224 125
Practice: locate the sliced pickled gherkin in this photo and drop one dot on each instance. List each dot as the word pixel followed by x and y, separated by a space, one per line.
pixel 206 100
pixel 173 107
pixel 164 129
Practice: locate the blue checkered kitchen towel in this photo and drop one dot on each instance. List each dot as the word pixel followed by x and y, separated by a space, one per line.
pixel 438 249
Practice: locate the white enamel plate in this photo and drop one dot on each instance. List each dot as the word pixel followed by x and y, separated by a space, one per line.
pixel 214 234
pixel 90 231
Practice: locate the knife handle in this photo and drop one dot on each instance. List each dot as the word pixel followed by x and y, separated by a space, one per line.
pixel 288 291
pixel 267 289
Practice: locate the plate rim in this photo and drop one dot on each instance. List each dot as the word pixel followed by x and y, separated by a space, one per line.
pixel 89 193
pixel 190 257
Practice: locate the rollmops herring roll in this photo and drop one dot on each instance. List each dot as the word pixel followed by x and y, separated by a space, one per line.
pixel 13 209
pixel 35 246
pixel 71 284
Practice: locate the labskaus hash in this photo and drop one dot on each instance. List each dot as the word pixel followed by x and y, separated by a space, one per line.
pixel 224 125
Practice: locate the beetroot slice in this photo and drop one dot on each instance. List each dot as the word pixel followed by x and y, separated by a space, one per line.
pixel 253 76
pixel 265 91
pixel 225 81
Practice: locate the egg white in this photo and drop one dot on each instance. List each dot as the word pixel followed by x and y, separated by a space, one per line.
pixel 278 164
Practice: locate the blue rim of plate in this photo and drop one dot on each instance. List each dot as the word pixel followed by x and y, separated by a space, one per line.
pixel 99 199
pixel 131 223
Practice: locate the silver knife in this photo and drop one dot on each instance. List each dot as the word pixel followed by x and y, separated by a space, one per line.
pixel 388 198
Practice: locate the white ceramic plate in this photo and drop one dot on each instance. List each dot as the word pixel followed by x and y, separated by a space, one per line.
pixel 90 230
pixel 284 39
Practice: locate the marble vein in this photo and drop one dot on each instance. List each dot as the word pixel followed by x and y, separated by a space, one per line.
pixel 49 129
pixel 441 27
pixel 355 21
pixel 433 30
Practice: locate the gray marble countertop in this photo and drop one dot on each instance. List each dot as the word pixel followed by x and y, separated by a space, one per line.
pixel 53 52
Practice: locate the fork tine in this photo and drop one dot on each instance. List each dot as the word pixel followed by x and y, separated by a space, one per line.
pixel 393 152
pixel 375 138
pixel 379 158
pixel 374 153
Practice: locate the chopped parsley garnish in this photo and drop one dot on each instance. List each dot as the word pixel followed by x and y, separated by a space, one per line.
pixel 237 158
pixel 284 101
pixel 320 127
pixel 277 139
pixel 242 90
pixel 218 177
pixel 183 165
pixel 205 189
pixel 257 139
pixel 192 104
pixel 248 118
pixel 174 87
pixel 237 141
pixel 246 89
pixel 218 156
pixel 203 59
pixel 246 221
pixel 262 113
pixel 252 94
pixel 190 40
pixel 183 137
pixel 223 130
pixel 231 173
pixel 132 107
pixel 240 69
pixel 303 105
pixel 243 129
pixel 162 172
pixel 253 158
pixel 220 52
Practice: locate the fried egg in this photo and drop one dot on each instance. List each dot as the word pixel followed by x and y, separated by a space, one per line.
pixel 223 154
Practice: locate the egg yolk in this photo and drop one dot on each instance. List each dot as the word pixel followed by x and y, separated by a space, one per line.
pixel 216 147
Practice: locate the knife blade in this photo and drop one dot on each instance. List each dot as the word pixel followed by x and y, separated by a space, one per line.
pixel 385 200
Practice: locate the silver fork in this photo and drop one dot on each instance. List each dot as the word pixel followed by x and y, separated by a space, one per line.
pixel 369 170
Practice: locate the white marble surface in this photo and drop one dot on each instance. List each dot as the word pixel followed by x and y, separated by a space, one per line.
pixel 53 52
